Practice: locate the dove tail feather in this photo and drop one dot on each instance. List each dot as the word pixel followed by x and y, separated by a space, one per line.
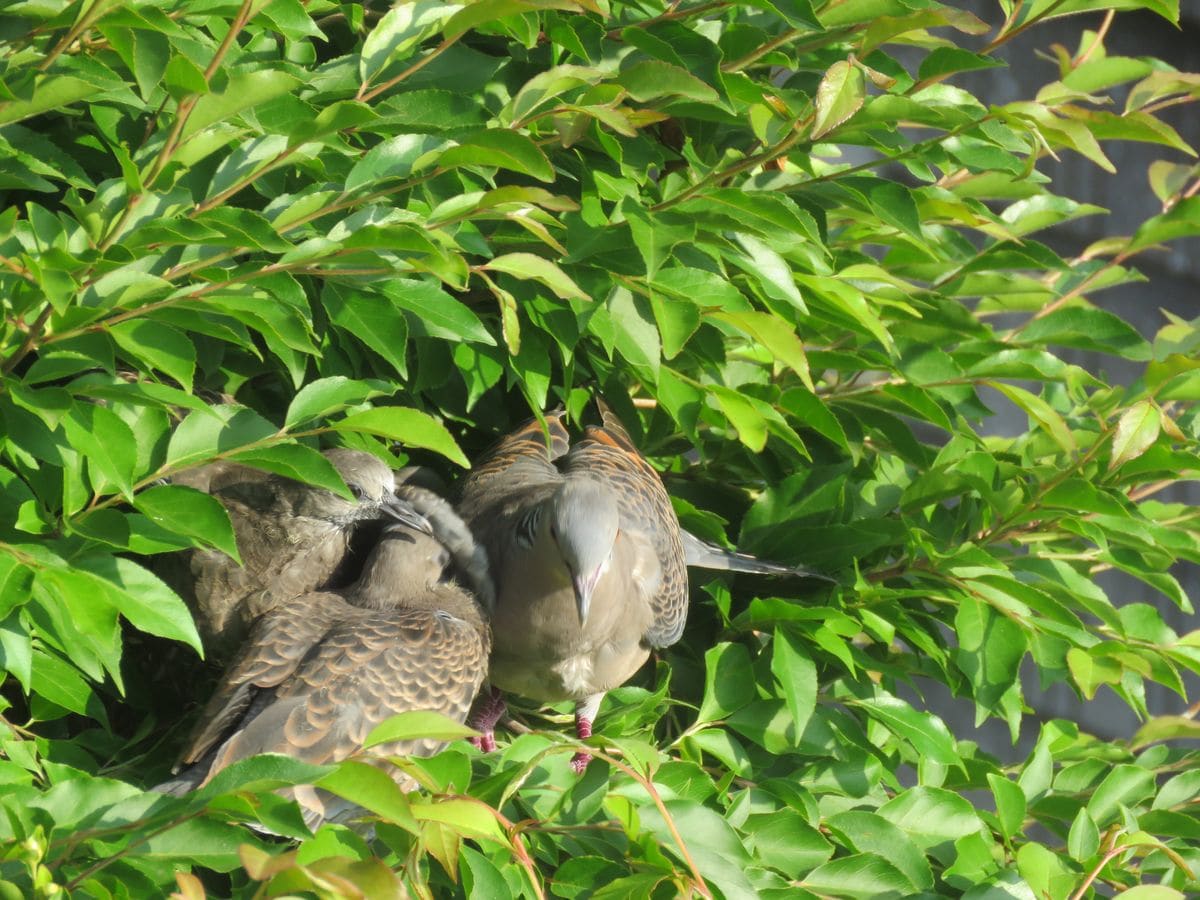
pixel 701 554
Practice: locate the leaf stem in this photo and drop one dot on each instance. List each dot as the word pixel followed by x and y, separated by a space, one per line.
pixel 186 105
pixel 31 339
pixel 1095 873
pixel 85 22
pixel 367 96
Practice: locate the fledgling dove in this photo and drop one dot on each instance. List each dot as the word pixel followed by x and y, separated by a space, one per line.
pixel 320 671
pixel 293 538
pixel 588 561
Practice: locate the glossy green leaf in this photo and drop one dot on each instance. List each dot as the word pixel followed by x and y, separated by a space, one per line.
pixel 1136 430
pixel 318 399
pixel 185 511
pixel 839 96
pixel 528 266
pixel 408 726
pixel 409 426
pixel 503 149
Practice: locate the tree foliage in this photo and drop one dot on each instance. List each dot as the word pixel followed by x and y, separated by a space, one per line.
pixel 818 268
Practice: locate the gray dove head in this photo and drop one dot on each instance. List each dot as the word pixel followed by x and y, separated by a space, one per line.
pixel 369 478
pixel 583 523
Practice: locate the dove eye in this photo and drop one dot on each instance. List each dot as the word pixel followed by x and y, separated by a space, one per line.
pixel 356 490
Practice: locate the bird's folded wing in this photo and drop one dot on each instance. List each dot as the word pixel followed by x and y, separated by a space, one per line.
pixel 276 646
pixel 362 673
pixel 519 461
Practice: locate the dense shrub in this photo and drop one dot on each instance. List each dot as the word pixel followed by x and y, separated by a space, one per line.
pixel 806 273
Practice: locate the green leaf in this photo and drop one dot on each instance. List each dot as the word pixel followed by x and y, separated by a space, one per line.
pixel 1041 412
pixel 863 875
pixel 1181 220
pixel 16 651
pixel 370 318
pixel 398 32
pixel 1087 329
pixel 946 60
pixel 711 842
pixel 106 441
pixel 1124 785
pixel 868 832
pixel 1136 430
pixel 158 345
pixel 1010 804
pixel 409 426
pixel 465 815
pixel 772 272
pixel 1151 892
pixel 650 79
pixel 189 512
pixel 925 731
pixel 182 77
pixel 319 398
pixel 434 311
pixel 776 335
pixel 728 684
pixel 677 321
pixel 395 157
pixel 297 462
pixel 783 840
pixel 839 96
pixel 140 597
pixel 528 266
pixel 373 789
pixel 205 433
pixel 407 726
pixel 1083 840
pixel 931 816
pixel 991 644
pixel 743 415
pixel 60 683
pixel 500 148
pixel 1090 671
pixel 797 676
pixel 634 333
pixel 245 90
pixel 48 92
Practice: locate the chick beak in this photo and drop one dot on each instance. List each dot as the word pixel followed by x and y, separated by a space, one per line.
pixel 584 586
pixel 403 514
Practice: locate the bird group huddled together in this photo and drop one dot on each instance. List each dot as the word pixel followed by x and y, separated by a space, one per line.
pixel 556 572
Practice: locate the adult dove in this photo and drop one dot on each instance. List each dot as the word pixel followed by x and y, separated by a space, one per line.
pixel 588 561
pixel 320 671
pixel 293 538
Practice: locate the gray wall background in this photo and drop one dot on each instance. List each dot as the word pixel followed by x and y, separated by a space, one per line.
pixel 1174 284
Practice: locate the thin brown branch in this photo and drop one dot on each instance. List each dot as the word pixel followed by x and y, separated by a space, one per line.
pixel 127 849
pixel 31 338
pixel 186 105
pixel 1097 41
pixel 367 96
pixel 674 14
pixel 85 22
pixel 1095 873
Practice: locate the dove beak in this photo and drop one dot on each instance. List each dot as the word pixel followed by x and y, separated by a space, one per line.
pixel 404 514
pixel 584 585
